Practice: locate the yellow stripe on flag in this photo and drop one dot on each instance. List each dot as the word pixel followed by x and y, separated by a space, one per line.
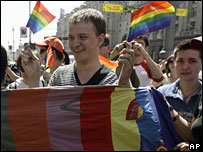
pixel 181 12
pixel 123 130
pixel 39 16
pixel 112 8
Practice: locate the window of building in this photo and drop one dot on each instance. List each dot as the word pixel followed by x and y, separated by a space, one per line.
pixel 193 12
pixel 176 27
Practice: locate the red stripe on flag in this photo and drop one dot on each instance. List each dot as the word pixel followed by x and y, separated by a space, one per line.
pixel 96 107
pixel 28 119
pixel 149 7
pixel 39 7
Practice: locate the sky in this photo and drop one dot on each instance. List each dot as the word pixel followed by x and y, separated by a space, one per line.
pixel 16 14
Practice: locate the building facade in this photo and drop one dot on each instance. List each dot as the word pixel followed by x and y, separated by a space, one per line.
pixel 182 27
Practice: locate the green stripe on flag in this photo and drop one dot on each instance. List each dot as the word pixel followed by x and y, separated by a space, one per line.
pixel 151 19
pixel 7 142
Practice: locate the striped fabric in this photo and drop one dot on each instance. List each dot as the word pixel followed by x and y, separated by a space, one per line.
pixel 49 59
pixel 64 75
pixel 153 16
pixel 85 118
pixel 39 18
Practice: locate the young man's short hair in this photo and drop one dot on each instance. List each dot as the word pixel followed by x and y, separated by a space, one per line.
pixel 144 38
pixel 184 45
pixel 86 15
pixel 106 41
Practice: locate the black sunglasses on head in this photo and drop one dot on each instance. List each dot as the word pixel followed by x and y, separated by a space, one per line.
pixel 171 61
pixel 105 44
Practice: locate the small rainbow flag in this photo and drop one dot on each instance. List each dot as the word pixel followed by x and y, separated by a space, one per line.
pixel 108 63
pixel 39 18
pixel 153 16
pixel 49 59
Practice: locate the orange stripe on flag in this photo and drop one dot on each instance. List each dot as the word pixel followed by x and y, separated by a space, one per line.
pixel 108 63
pixel 28 119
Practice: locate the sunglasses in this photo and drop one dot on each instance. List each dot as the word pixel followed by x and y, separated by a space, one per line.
pixel 105 44
pixel 171 61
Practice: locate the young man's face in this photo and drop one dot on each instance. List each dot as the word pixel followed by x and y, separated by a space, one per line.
pixel 188 64
pixel 83 41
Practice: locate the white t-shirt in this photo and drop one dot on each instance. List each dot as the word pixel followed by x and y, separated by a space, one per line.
pixel 145 80
pixel 20 84
pixel 145 74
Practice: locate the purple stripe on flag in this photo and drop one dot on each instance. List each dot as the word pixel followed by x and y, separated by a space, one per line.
pixel 33 25
pixel 151 24
pixel 63 125
pixel 148 30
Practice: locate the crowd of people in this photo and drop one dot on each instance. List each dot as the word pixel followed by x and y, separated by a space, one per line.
pixel 176 77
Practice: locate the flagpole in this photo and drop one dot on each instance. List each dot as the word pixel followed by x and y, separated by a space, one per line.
pixel 13 46
pixel 29 28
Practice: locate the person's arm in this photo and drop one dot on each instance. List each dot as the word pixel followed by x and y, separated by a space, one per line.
pixel 31 66
pixel 156 72
pixel 11 74
pixel 183 127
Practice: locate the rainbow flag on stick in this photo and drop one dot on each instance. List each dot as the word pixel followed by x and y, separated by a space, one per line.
pixel 49 59
pixel 39 18
pixel 104 118
pixel 153 16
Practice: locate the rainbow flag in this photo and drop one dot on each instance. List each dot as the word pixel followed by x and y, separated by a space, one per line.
pixel 39 18
pixel 153 16
pixel 108 63
pixel 49 59
pixel 86 118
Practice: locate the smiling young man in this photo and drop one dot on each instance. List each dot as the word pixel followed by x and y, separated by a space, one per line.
pixel 86 35
pixel 183 94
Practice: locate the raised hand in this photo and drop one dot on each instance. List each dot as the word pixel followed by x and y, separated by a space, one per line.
pixel 31 66
pixel 125 65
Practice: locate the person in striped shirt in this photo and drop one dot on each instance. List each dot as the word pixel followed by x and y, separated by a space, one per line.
pixel 86 35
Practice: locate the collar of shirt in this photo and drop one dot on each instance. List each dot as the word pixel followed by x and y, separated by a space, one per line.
pixel 173 90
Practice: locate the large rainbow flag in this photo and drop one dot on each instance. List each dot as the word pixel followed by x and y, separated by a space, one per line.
pixel 86 118
pixel 39 18
pixel 151 17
